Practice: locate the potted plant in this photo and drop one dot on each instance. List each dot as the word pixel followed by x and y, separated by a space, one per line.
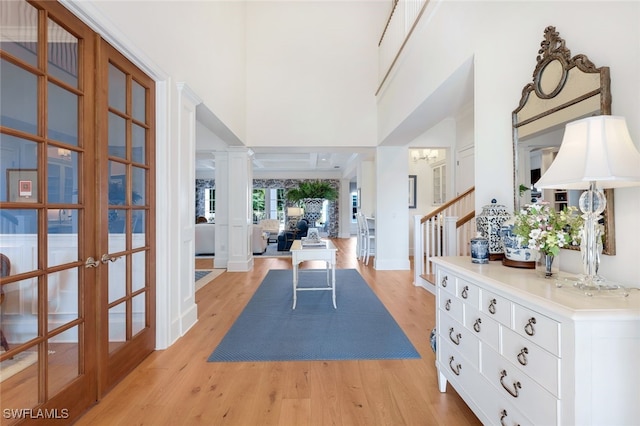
pixel 312 195
pixel 312 189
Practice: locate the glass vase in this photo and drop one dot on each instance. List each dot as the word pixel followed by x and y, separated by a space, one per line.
pixel 547 265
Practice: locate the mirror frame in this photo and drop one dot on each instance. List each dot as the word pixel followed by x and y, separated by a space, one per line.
pixel 564 89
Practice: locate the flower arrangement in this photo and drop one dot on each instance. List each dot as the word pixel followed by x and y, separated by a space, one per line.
pixel 546 229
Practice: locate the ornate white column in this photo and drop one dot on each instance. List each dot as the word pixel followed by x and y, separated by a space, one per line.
pixel 392 208
pixel 222 210
pixel 240 186
pixel 183 308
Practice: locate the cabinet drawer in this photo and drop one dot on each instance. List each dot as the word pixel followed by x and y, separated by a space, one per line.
pixel 523 392
pixel 476 389
pixel 450 305
pixel 497 409
pixel 538 328
pixel 461 338
pixel 455 367
pixel 468 292
pixel 480 325
pixel 447 282
pixel 532 360
pixel 495 307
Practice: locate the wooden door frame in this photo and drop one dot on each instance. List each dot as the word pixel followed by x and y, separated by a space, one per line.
pixel 115 367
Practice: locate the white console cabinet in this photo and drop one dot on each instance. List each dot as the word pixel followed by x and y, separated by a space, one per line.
pixel 520 351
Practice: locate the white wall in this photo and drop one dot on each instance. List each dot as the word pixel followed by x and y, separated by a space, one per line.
pixel 464 176
pixel 366 181
pixel 311 72
pixel 503 38
pixel 391 220
pixel 185 37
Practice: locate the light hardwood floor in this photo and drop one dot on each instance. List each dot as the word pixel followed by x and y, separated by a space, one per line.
pixel 177 386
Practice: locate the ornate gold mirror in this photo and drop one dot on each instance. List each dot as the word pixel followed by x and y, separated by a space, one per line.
pixel 564 89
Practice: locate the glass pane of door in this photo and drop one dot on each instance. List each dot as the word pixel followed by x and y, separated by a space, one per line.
pixel 126 305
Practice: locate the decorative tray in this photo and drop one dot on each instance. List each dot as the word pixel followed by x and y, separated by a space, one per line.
pixel 312 242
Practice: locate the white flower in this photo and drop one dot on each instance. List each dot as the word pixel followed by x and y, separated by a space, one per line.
pixel 546 229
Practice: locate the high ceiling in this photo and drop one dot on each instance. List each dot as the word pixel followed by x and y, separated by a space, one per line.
pixel 282 74
pixel 271 162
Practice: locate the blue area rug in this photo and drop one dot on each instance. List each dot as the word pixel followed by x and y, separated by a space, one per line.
pixel 269 330
pixel 201 274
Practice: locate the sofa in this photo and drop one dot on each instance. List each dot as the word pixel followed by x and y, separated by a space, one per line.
pixel 272 227
pixel 286 237
pixel 259 239
pixel 205 241
pixel 205 238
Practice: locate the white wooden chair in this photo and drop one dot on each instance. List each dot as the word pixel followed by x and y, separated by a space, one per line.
pixel 366 242
pixel 369 238
pixel 359 239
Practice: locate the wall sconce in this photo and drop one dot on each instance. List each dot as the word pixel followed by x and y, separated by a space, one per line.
pixel 424 154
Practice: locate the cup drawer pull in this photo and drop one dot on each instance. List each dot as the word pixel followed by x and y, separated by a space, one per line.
pixel 503 415
pixel 529 328
pixel 443 283
pixel 492 306
pixel 465 292
pixel 516 385
pixel 522 356
pixel 476 325
pixel 456 369
pixel 454 338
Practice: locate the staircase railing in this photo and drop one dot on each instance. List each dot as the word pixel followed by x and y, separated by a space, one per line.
pixel 403 18
pixel 446 231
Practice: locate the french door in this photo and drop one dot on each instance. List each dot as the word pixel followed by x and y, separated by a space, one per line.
pixel 76 121
pixel 125 186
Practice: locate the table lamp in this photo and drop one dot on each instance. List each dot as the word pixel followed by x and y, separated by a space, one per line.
pixel 596 153
pixel 295 212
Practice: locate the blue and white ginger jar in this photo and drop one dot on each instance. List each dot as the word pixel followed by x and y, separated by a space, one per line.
pixel 489 223
pixel 515 247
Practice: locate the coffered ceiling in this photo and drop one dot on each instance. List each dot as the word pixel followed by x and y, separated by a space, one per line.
pixel 285 162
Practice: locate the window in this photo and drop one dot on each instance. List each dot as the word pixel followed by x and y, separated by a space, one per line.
pixel 258 205
pixel 210 204
pixel 439 184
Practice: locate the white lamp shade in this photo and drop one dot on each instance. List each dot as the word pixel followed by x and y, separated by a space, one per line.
pixel 595 149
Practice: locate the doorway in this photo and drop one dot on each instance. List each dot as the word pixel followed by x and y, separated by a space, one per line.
pixel 77 311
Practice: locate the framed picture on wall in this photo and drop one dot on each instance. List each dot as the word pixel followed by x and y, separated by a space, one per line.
pixel 412 191
pixel 22 185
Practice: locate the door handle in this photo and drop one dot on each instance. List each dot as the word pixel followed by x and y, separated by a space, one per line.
pixel 91 263
pixel 107 258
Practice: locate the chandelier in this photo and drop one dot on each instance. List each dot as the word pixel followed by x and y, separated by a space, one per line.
pixel 424 154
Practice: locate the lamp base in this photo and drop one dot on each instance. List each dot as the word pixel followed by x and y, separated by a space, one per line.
pixel 593 286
